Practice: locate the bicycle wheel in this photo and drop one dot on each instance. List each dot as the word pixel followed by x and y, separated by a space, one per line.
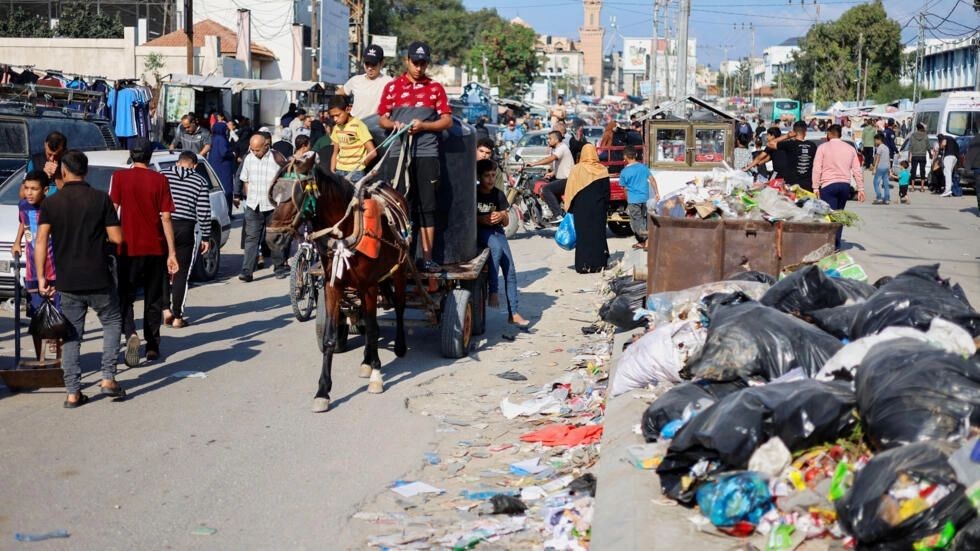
pixel 302 289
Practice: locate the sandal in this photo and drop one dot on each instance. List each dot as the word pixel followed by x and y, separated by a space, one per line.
pixel 82 400
pixel 180 322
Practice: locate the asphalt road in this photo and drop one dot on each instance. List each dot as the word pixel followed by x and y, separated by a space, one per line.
pixel 239 451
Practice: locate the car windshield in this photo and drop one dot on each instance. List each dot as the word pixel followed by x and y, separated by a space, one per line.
pixel 534 140
pixel 963 123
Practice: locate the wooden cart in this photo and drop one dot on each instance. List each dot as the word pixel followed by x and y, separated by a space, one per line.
pixel 456 303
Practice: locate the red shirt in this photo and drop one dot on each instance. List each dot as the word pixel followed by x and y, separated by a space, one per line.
pixel 404 100
pixel 141 195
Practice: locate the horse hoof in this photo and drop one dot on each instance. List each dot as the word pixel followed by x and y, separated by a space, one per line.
pixel 321 405
pixel 375 387
pixel 364 372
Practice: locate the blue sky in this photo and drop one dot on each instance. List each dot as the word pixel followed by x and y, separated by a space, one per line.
pixel 712 20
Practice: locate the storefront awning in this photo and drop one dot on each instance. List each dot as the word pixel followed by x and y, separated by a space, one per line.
pixel 239 84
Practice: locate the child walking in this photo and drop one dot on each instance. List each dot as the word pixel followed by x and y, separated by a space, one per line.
pixel 491 217
pixel 904 179
pixel 636 179
pixel 34 189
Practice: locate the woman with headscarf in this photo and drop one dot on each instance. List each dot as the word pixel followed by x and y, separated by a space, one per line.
pixel 587 199
pixel 222 158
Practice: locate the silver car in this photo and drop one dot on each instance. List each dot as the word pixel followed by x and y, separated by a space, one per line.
pixel 101 166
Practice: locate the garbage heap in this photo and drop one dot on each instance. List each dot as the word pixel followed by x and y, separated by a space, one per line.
pixel 726 193
pixel 814 406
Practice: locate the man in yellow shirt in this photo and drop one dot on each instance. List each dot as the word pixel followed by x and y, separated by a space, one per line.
pixel 353 146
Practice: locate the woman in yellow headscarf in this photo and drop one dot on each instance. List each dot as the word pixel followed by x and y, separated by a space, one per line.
pixel 587 198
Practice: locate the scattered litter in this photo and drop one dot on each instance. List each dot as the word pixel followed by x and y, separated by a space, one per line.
pixel 41 537
pixel 432 458
pixel 527 467
pixel 512 375
pixel 507 505
pixel 565 435
pixel 411 489
pixel 203 531
pixel 583 485
pixel 189 375
pixel 545 404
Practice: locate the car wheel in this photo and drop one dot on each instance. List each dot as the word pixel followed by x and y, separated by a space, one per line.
pixel 206 265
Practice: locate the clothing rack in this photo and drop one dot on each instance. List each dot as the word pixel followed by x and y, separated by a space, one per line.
pixel 33 96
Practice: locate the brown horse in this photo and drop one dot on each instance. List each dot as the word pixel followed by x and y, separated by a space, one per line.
pixel 367 277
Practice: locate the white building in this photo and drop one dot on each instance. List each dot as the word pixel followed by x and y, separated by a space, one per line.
pixel 666 77
pixel 778 60
pixel 947 65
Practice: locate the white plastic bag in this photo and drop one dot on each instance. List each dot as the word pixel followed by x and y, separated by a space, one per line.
pixel 658 356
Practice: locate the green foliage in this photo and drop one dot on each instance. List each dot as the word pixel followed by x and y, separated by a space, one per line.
pixel 152 65
pixel 80 20
pixel 510 58
pixel 827 63
pixel 16 23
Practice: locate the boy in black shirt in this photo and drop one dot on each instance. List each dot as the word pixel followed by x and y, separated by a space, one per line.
pixel 491 217
pixel 800 153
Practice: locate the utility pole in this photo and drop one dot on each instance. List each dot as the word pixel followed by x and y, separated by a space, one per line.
pixel 367 16
pixel 189 31
pixel 654 53
pixel 724 71
pixel 314 41
pixel 752 68
pixel 919 57
pixel 857 89
pixel 684 16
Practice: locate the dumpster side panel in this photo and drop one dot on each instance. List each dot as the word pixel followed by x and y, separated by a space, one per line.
pixel 801 239
pixel 749 245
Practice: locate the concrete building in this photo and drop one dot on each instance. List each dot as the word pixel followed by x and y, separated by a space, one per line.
pixel 591 35
pixel 666 78
pixel 947 65
pixel 778 60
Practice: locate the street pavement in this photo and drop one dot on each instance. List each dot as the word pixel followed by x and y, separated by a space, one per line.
pixel 239 451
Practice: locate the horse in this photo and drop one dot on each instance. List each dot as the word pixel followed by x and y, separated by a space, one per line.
pixel 335 214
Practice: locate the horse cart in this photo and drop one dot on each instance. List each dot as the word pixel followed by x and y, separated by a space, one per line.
pixel 453 300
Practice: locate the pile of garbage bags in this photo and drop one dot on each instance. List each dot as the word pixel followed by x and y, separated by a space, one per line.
pixel 818 406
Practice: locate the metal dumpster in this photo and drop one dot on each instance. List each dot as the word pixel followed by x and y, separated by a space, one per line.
pixel 684 252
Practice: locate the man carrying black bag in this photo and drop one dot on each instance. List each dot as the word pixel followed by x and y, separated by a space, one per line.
pixel 81 221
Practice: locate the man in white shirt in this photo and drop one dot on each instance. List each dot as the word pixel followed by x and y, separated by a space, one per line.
pixel 297 124
pixel 367 88
pixel 259 171
pixel 561 166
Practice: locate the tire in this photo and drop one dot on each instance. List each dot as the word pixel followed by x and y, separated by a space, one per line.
pixel 513 222
pixel 478 296
pixel 302 287
pixel 456 325
pixel 207 265
pixel 620 229
pixel 535 214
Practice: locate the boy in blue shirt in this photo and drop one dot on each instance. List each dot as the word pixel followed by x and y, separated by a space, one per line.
pixel 904 178
pixel 636 179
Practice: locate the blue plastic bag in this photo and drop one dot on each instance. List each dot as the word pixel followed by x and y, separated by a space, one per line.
pixel 565 235
pixel 735 497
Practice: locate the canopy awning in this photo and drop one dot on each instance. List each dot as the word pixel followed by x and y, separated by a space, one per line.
pixel 239 84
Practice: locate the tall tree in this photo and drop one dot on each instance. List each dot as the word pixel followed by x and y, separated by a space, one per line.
pixel 508 51
pixel 81 20
pixel 16 23
pixel 827 63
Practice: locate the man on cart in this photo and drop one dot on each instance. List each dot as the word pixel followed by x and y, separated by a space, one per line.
pixel 415 99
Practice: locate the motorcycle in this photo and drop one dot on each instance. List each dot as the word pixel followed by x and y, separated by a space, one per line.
pixel 525 206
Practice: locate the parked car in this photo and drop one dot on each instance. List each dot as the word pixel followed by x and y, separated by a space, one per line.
pixel 102 164
pixel 903 155
pixel 22 134
pixel 532 147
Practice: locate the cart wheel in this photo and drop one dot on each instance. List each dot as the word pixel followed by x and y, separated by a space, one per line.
pixel 620 229
pixel 456 324
pixel 478 296
pixel 302 288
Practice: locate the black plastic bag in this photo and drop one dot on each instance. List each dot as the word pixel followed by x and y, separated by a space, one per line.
pixel 754 342
pixel 584 485
pixel 836 321
pixel 967 539
pixel 672 405
pixel 870 513
pixel 626 284
pixel 810 289
pixel 49 323
pixel 507 505
pixel 913 299
pixel 753 275
pixel 908 391
pixel 619 311
pixel 716 300
pixel 802 414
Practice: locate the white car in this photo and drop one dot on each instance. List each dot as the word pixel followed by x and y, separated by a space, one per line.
pixel 101 166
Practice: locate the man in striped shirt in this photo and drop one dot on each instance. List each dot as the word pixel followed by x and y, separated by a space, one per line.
pixel 259 171
pixel 192 210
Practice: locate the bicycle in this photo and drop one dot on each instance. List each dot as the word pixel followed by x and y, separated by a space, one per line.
pixel 303 284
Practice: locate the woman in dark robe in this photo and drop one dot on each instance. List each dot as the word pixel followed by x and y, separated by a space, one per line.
pixel 222 158
pixel 587 199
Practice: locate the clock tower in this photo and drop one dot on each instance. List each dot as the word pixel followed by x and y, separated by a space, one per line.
pixel 591 35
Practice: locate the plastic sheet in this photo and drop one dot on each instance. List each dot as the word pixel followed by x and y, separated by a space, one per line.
pixel 810 289
pixel 658 356
pixel 734 498
pixel 755 342
pixel 913 299
pixel 904 495
pixel 908 391
pixel 802 414
pixel 683 402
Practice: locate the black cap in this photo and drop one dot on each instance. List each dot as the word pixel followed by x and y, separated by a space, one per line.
pixel 374 54
pixel 419 51
pixel 139 145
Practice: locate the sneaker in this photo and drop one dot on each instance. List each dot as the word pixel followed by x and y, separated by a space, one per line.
pixel 132 357
pixel 947 194
pixel 282 274
pixel 247 278
pixel 431 267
